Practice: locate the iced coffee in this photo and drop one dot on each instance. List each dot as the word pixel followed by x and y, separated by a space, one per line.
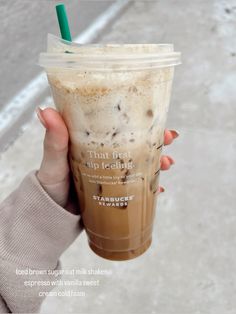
pixel 115 109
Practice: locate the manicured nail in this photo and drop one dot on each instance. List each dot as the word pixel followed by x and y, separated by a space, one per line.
pixel 40 116
pixel 174 133
pixel 171 160
pixel 162 189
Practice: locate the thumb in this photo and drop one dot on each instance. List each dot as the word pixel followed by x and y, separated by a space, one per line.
pixel 54 167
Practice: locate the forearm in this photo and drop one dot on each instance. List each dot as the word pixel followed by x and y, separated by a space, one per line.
pixel 34 232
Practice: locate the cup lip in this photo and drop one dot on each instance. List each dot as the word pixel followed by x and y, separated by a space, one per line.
pixel 95 57
pixel 77 57
pixel 55 42
pixel 109 62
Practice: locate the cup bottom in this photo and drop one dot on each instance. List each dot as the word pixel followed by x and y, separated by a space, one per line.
pixel 121 255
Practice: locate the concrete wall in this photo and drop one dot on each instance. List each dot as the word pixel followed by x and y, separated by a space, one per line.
pixel 24 26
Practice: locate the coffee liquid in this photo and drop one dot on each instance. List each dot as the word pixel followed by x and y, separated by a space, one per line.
pixel 116 125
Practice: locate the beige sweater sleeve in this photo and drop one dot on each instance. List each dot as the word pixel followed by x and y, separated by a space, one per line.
pixel 34 232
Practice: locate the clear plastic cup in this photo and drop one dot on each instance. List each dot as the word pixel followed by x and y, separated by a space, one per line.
pixel 114 100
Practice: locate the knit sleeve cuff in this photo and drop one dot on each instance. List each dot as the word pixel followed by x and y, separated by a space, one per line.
pixel 34 230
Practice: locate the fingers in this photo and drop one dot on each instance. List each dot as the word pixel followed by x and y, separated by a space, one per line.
pixel 161 190
pixel 169 136
pixel 166 162
pixel 54 167
pixel 56 139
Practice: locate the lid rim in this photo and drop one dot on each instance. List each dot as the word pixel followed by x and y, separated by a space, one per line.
pixel 69 56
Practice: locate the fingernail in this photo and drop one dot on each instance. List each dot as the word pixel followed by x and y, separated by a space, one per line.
pixel 40 116
pixel 170 160
pixel 162 189
pixel 174 133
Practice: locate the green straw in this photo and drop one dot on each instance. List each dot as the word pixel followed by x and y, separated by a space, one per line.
pixel 63 22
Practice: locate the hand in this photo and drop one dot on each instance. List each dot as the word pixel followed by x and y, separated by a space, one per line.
pixel 54 173
pixel 167 161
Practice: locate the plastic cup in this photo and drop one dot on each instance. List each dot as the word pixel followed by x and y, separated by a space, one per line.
pixel 114 100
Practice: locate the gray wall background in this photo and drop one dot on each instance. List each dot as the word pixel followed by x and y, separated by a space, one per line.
pixel 24 26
